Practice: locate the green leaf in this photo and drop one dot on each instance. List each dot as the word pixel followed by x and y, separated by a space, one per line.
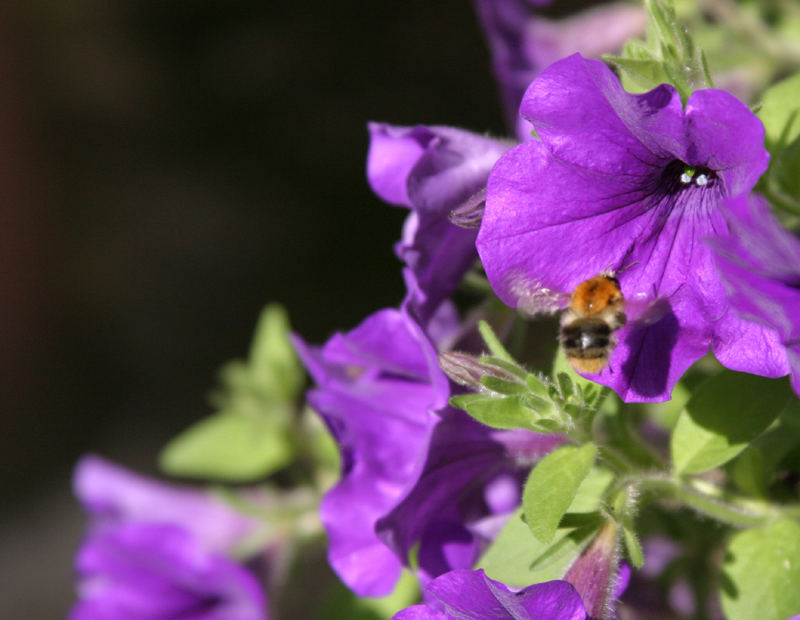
pixel 761 573
pixel 780 112
pixel 784 173
pixel 227 447
pixel 723 416
pixel 568 546
pixel 749 472
pixel 272 360
pixel 516 556
pixel 552 485
pixel 496 411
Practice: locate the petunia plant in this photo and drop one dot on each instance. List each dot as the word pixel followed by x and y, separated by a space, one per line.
pixel 447 460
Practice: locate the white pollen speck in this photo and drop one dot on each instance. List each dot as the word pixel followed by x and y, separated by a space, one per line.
pixel 787 564
pixel 686 178
pixel 701 180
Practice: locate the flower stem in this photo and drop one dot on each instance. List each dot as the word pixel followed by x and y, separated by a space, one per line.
pixel 737 514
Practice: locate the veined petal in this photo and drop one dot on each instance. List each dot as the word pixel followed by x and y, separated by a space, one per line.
pixel 585 117
pixel 629 183
pixel 760 264
pixel 471 595
pixel 724 135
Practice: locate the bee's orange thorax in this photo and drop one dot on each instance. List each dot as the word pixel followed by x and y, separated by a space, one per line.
pixel 595 295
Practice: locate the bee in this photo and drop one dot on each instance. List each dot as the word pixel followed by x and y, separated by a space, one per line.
pixel 591 315
pixel 594 313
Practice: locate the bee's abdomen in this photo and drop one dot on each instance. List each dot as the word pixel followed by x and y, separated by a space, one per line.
pixel 586 338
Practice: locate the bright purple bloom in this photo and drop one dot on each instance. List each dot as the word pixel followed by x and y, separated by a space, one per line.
pixel 471 595
pixel 760 264
pixel 157 551
pixel 471 474
pixel 158 572
pixel 114 496
pixel 431 170
pixel 634 182
pixel 378 388
pixel 414 471
pixel 523 43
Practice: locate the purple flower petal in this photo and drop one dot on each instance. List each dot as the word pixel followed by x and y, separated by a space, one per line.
pixel 628 182
pixel 471 595
pixel 147 570
pixel 760 264
pixel 431 170
pixel 115 496
pixel 378 388
pixel 465 463
pixel 523 43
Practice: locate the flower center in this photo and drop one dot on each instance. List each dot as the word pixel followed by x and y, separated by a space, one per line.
pixel 678 176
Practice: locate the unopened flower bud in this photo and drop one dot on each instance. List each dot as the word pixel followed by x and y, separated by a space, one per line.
pixel 467 370
pixel 595 573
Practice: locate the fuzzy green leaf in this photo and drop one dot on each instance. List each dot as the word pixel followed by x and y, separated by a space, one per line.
pixel 552 485
pixel 496 411
pixel 518 559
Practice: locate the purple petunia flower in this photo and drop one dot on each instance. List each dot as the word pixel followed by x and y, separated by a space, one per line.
pixel 415 473
pixel 470 485
pixel 158 551
pixel 471 595
pixel 622 181
pixel 378 388
pixel 431 170
pixel 760 264
pixel 472 475
pixel 523 43
pixel 114 496
pixel 161 571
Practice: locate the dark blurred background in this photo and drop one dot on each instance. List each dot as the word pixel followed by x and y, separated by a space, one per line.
pixel 166 169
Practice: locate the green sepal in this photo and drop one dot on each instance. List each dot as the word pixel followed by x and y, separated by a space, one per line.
pixel 669 55
pixel 552 485
pixel 633 547
pixel 501 386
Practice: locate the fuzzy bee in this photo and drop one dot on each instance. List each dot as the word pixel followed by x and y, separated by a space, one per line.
pixel 590 317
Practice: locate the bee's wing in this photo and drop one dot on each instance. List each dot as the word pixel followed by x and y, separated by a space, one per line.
pixel 645 310
pixel 534 299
